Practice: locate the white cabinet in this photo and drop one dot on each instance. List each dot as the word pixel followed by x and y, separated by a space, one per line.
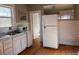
pixel 30 38
pixel 19 42
pixel 8 48
pixel 1 48
pixel 16 44
pixel 23 41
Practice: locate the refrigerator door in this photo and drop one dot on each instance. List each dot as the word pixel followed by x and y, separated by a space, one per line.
pixel 50 33
pixel 50 37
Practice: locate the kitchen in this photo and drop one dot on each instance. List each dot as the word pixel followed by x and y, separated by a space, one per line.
pixel 16 33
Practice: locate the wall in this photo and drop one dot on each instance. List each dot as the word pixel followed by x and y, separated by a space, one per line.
pixel 77 11
pixel 21 10
pixel 68 32
pixel 33 7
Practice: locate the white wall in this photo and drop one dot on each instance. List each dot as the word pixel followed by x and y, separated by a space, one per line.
pixel 68 32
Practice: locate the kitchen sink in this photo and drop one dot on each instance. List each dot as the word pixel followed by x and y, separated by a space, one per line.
pixel 2 34
pixel 13 32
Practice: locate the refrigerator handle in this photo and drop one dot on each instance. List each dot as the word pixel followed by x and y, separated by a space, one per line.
pixel 44 27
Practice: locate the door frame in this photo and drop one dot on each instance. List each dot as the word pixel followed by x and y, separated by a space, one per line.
pixel 31 21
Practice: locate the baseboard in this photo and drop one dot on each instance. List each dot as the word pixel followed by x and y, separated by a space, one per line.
pixel 73 42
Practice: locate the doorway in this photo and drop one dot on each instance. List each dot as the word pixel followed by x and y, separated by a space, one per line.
pixel 36 27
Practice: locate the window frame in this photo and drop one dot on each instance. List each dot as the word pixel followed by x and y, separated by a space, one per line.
pixel 6 6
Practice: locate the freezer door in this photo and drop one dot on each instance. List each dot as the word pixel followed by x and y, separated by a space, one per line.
pixel 49 19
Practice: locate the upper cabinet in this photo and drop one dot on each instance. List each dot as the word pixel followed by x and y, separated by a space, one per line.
pixel 21 15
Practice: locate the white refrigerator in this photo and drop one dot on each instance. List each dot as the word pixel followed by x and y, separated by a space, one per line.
pixel 50 31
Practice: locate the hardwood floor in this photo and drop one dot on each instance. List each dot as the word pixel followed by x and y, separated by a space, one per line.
pixel 37 49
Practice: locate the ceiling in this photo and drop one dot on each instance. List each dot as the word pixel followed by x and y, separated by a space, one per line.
pixel 55 8
pixel 52 6
pixel 59 6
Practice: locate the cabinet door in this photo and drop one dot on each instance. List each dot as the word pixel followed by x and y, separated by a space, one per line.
pixel 8 48
pixel 1 48
pixel 23 41
pixel 30 40
pixel 16 45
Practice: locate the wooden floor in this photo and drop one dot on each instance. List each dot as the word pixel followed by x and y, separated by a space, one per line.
pixel 37 49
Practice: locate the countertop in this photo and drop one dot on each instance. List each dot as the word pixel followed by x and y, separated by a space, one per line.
pixel 6 36
pixel 3 35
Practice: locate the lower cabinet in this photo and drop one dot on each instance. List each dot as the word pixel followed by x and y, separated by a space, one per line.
pixel 7 44
pixel 30 38
pixel 16 45
pixel 23 41
pixel 19 43
pixel 13 44
pixel 1 48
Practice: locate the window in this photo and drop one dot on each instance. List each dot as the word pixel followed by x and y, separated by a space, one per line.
pixel 5 16
pixel 66 15
pixel 5 12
